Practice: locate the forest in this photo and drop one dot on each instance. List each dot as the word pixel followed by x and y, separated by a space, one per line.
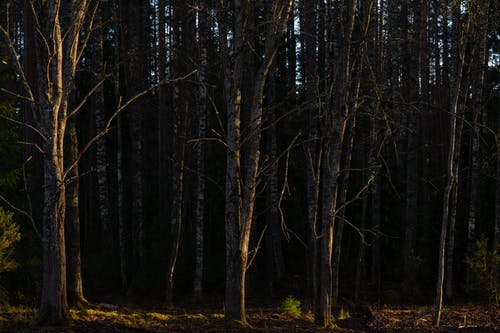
pixel 249 165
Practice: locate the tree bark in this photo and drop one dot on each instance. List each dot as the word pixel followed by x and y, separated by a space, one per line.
pixel 60 25
pixel 241 181
pixel 455 79
pixel 411 91
pixel 101 157
pixel 200 148
pixel 136 77
pixel 73 260
pixel 313 158
pixel 478 9
pixel 118 37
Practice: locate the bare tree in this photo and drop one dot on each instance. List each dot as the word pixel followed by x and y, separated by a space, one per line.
pixel 58 49
pixel 456 74
pixel 241 180
pixel 336 115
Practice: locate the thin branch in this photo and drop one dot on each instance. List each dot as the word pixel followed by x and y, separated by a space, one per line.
pixel 20 211
pixel 28 198
pixel 256 249
pixel 119 109
pixel 16 95
pixel 36 130
pixel 85 99
pixel 15 58
pixel 357 196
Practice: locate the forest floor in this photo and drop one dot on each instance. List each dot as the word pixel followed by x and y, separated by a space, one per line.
pixel 107 318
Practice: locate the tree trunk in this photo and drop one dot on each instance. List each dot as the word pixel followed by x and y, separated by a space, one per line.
pixel 73 260
pixel 313 156
pixel 137 81
pixel 101 158
pixel 455 78
pixel 360 260
pixel 200 147
pixel 241 181
pixel 118 36
pixel 276 267
pixel 336 117
pixel 496 231
pixel 479 9
pixel 54 304
pixel 62 25
pixel 411 91
pixel 450 277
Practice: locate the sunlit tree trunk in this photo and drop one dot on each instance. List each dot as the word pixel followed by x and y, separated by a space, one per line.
pixel 60 24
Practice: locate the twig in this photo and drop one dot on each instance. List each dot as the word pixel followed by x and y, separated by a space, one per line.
pixel 21 212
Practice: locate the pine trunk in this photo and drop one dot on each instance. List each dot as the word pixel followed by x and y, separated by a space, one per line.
pixel 118 37
pixel 200 155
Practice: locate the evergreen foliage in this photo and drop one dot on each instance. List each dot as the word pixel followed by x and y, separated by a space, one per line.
pixel 482 262
pixel 291 306
pixel 9 235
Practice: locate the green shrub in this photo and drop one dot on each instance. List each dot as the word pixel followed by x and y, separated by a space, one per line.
pixel 482 264
pixel 291 306
pixel 9 235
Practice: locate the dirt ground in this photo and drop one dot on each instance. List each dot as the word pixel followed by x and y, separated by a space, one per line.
pixel 108 318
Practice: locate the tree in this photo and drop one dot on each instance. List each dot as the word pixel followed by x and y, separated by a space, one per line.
pixel 456 74
pixel 200 148
pixel 58 49
pixel 73 258
pixel 241 179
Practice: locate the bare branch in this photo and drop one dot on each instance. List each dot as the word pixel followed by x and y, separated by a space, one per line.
pixel 119 109
pixel 15 58
pixel 85 99
pixel 20 211
pixel 36 130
